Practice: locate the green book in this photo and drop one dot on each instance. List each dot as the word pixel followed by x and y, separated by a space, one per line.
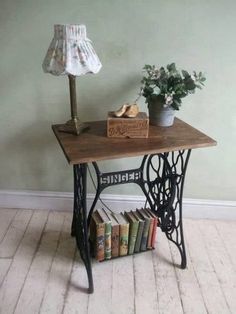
pixel 134 223
pixel 115 235
pixel 145 229
pixel 137 246
pixel 107 222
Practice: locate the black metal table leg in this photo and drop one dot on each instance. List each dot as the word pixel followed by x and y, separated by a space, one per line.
pixel 165 193
pixel 79 227
pixel 178 162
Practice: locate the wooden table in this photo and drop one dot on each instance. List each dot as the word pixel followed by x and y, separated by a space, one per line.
pixel 165 153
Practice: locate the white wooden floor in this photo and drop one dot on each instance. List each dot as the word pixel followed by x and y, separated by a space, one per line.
pixel 40 271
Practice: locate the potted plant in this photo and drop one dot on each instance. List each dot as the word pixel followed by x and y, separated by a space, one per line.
pixel 164 89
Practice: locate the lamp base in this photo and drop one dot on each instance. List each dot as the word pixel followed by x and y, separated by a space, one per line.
pixel 74 126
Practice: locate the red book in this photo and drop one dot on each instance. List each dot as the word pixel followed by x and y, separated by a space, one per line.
pixel 154 231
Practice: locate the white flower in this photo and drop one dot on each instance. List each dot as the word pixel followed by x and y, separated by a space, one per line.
pixel 157 74
pixel 193 78
pixel 168 99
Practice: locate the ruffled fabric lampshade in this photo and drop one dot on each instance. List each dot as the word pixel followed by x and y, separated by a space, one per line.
pixel 71 53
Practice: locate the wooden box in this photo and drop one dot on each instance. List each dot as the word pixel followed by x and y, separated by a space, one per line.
pixel 128 127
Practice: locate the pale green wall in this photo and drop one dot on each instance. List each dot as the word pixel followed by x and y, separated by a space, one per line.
pixel 197 35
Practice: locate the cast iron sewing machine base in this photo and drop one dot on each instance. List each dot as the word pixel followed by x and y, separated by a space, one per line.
pixel 160 177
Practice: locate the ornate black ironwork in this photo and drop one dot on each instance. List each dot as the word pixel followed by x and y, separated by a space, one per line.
pixel 179 162
pixel 161 178
pixel 166 191
pixel 79 227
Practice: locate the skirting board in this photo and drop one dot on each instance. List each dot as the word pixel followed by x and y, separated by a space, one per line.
pixel 192 208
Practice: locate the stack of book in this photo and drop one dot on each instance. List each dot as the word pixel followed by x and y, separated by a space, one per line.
pixel 114 235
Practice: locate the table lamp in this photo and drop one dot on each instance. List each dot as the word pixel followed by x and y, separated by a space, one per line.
pixel 71 53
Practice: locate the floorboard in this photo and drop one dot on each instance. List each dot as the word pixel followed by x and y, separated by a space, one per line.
pixel 37 277
pixel 21 263
pixel 55 290
pixel 14 234
pixel 123 273
pixel 5 264
pixel 227 233
pixel 76 298
pixel 167 286
pixel 189 288
pixel 211 290
pixel 220 262
pixel 102 276
pixel 41 270
pixel 6 218
pixel 145 284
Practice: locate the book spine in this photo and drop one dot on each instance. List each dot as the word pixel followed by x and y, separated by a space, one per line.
pixel 145 235
pixel 124 239
pixel 137 247
pixel 150 232
pixel 133 236
pixel 100 242
pixel 107 240
pixel 115 241
pixel 154 233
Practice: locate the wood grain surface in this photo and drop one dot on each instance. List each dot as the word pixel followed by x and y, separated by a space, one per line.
pixel 94 145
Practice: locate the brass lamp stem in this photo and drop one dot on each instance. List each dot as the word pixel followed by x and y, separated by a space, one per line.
pixel 74 125
pixel 73 102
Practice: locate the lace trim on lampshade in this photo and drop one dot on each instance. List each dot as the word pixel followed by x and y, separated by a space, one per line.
pixel 71 52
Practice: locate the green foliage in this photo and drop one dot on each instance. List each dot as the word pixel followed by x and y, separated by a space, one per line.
pixel 169 85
